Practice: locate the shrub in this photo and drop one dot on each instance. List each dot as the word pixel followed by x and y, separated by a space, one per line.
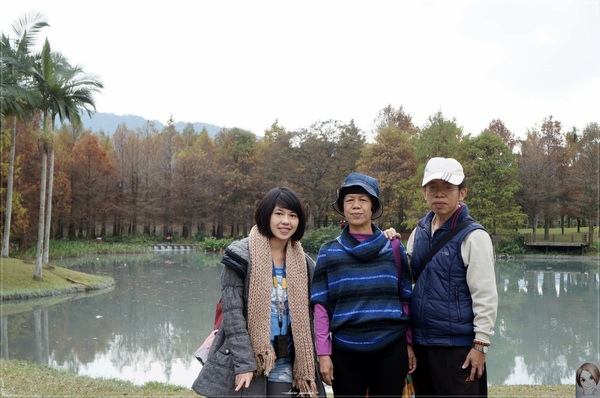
pixel 211 244
pixel 511 244
pixel 199 236
pixel 314 239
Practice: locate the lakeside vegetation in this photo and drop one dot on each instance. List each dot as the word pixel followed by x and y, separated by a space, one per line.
pixel 504 244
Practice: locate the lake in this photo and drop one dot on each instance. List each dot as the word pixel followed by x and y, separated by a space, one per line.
pixel 162 307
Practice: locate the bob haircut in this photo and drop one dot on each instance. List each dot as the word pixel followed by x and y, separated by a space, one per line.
pixel 283 197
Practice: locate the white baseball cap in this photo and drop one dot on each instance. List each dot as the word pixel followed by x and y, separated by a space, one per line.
pixel 446 169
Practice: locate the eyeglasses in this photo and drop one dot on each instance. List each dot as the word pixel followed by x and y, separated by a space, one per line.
pixel 446 190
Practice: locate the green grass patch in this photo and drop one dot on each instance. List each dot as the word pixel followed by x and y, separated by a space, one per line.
pixel 17 281
pixel 27 379
pixel 557 235
pixel 75 248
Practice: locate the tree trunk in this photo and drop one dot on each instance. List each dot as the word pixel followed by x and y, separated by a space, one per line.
pixel 40 244
pixel 49 207
pixel 547 221
pixel 9 191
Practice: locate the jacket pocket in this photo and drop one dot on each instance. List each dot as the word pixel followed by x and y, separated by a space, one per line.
pixel 217 376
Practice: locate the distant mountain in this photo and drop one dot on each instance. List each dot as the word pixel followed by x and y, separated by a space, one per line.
pixel 108 122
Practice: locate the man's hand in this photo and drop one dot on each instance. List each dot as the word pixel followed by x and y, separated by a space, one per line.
pixel 477 361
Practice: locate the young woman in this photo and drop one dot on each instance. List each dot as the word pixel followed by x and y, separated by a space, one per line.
pixel 265 289
pixel 360 321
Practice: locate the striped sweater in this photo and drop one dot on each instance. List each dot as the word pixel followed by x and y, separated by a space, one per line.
pixel 358 285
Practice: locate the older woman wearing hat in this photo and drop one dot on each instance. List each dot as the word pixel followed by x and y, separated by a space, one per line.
pixel 361 325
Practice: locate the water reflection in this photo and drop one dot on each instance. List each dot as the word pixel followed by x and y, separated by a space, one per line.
pixel 547 321
pixel 162 306
pixel 145 329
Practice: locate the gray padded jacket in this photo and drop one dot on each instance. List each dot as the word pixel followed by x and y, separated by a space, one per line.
pixel 231 352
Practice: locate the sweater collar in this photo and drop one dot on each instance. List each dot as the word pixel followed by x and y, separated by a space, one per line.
pixel 365 250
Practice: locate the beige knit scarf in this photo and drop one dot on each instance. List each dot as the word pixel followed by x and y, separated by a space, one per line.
pixel 259 310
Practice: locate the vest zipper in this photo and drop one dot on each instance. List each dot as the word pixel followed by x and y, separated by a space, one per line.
pixel 457 303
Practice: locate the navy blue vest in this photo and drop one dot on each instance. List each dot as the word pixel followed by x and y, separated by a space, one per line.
pixel 441 307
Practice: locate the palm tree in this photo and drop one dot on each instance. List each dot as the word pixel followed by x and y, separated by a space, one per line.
pixel 65 90
pixel 18 97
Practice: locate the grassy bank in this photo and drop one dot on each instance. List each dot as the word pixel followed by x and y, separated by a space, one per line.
pixel 26 379
pixel 17 281
pixel 74 248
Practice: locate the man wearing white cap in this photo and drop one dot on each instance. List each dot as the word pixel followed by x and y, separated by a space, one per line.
pixel 454 302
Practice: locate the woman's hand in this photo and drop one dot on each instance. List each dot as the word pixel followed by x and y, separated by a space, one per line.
pixel 412 359
pixel 326 369
pixel 243 380
pixel 391 233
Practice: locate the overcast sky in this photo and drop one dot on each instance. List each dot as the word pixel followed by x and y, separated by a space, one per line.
pixel 248 63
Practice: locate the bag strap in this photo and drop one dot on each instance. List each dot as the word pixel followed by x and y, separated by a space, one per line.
pixel 441 243
pixel 218 315
pixel 398 256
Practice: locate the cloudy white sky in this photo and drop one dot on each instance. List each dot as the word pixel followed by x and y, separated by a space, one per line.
pixel 248 63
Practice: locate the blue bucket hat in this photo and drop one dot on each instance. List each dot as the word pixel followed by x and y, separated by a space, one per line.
pixel 368 184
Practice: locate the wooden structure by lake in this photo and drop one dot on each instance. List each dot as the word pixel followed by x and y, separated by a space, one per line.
pixel 570 242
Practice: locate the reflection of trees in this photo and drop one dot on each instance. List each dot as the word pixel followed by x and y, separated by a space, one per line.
pixel 554 331
pixel 4 337
pixel 41 340
pixel 507 335
pixel 163 314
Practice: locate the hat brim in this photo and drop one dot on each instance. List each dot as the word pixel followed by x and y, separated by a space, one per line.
pixel 451 178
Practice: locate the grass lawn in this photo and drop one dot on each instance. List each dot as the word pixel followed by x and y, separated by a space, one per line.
pixel 16 281
pixel 27 379
pixel 556 235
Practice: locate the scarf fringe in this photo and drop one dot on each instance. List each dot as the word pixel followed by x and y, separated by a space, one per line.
pixel 265 362
pixel 307 388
